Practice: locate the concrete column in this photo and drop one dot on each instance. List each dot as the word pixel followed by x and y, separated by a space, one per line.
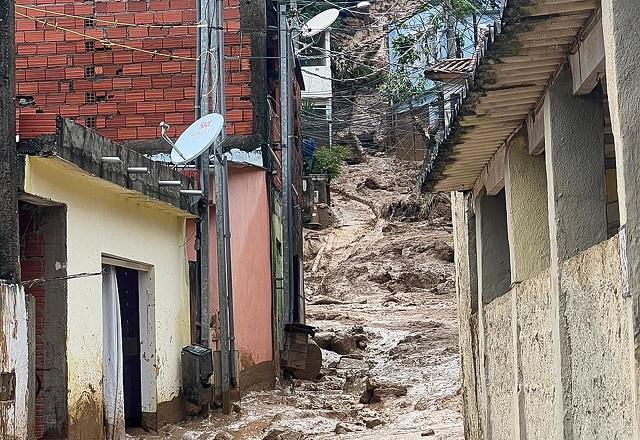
pixel 574 154
pixel 527 221
pixel 620 20
pixel 464 243
pixel 492 246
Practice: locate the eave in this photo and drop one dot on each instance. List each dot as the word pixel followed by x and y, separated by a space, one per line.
pixel 521 58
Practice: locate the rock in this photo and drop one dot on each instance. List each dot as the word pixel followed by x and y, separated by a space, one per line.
pixel 421 280
pixel 380 277
pixel 236 408
pixel 325 300
pixel 283 434
pixel 422 404
pixel 324 339
pixel 343 343
pixel 443 251
pixel 372 422
pixel 395 391
pixel 428 433
pixel 378 389
pixel 348 363
pixel 342 428
pixel 372 184
pixel 223 436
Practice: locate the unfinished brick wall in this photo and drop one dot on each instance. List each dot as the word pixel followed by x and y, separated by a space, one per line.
pixel 124 93
pixel 32 267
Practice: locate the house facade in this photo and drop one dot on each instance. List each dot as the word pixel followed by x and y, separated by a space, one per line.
pixel 105 267
pixel 542 164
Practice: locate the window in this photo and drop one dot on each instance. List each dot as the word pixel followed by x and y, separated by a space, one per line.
pixel 90 97
pixel 90 121
pixel 89 22
pixel 89 72
pixel 90 46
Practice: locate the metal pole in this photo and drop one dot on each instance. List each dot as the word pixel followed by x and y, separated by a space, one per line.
pixel 285 174
pixel 9 242
pixel 227 242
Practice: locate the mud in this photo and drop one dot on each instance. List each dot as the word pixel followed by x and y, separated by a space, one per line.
pixel 381 293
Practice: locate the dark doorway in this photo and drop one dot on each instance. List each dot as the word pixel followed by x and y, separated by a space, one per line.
pixel 43 256
pixel 129 297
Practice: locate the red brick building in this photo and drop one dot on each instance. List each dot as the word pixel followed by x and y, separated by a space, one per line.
pixel 71 61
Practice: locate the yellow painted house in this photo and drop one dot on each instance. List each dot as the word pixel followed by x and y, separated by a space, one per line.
pixel 102 241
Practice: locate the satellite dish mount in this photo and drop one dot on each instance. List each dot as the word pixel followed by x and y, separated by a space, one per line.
pixel 195 140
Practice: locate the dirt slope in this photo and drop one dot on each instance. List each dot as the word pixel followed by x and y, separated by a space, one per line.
pixel 381 295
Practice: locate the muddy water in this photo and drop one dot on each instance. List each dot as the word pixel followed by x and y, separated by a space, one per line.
pixel 388 285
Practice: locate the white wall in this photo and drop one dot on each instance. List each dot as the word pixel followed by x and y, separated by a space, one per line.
pixel 104 219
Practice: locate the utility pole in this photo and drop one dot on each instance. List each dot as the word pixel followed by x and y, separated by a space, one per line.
pixel 285 143
pixel 201 107
pixel 9 242
pixel 451 31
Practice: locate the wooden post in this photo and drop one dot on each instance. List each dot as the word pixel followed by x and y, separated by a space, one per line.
pixel 9 244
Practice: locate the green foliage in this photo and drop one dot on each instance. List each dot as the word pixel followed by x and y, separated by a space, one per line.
pixel 399 87
pixel 405 47
pixel 329 160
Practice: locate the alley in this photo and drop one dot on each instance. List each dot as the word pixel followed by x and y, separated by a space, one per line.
pixel 388 283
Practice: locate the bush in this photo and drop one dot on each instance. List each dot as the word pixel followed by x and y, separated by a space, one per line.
pixel 329 160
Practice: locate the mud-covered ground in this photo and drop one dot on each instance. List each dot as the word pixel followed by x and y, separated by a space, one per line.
pixel 381 294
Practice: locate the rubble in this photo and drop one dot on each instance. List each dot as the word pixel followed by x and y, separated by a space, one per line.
pixel 380 296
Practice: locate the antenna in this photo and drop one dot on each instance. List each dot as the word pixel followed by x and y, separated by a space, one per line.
pixel 320 22
pixel 196 139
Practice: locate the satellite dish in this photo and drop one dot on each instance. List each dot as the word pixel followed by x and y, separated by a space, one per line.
pixel 320 22
pixel 197 138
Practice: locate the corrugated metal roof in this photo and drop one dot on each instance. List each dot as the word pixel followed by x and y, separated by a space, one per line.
pixel 519 62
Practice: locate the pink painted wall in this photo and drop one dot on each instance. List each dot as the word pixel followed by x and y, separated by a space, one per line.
pixel 251 263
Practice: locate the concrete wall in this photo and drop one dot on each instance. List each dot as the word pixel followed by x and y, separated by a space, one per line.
pixel 499 360
pixel 14 365
pixel 251 265
pixel 465 258
pixel 103 219
pixel 521 362
pixel 601 336
pixel 534 349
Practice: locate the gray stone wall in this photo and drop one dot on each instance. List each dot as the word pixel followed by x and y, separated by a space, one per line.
pixel 601 344
pixel 534 345
pixel 499 369
pixel 521 365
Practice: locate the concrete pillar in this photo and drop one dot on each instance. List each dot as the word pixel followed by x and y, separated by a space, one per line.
pixel 527 221
pixel 464 243
pixel 574 154
pixel 620 20
pixel 492 246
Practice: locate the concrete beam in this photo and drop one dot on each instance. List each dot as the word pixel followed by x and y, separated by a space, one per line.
pixel 535 132
pixel 620 20
pixel 527 220
pixel 491 178
pixel 587 64
pixel 85 148
pixel 574 153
